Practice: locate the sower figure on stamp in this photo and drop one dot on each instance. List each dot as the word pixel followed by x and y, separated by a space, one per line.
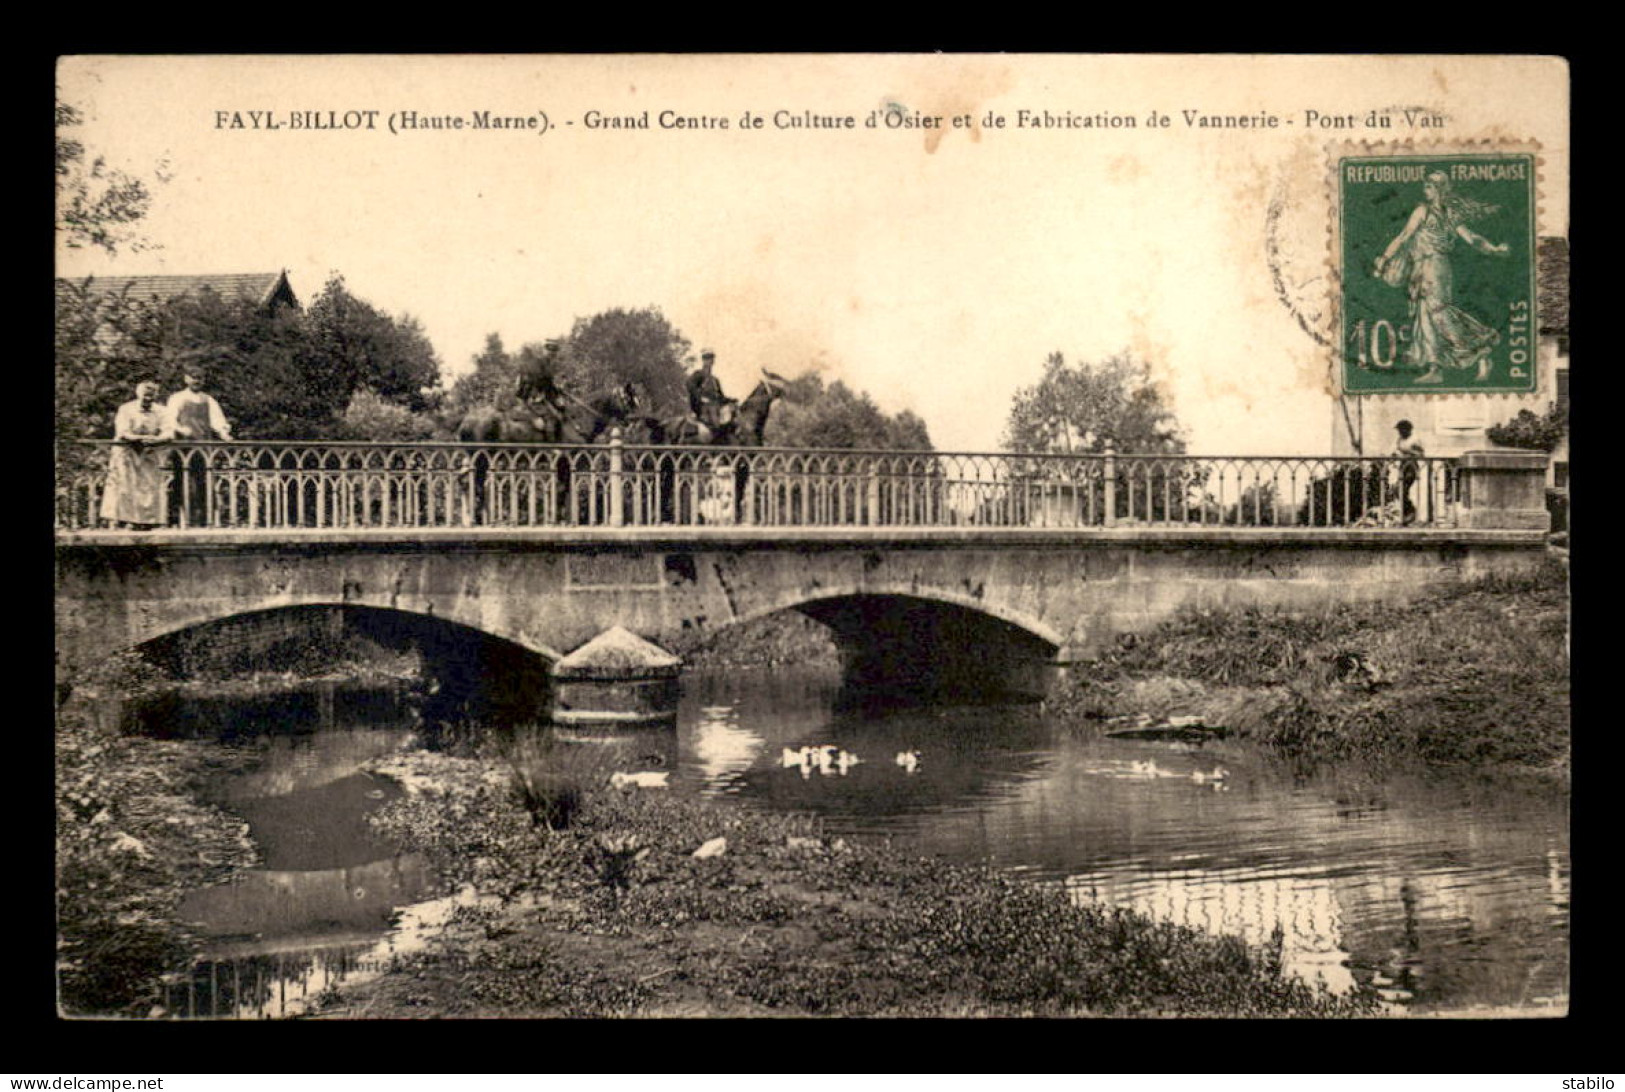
pixel 1408 452
pixel 1440 334
pixel 134 496
pixel 196 416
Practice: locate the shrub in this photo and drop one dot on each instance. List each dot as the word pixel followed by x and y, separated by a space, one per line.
pixel 1531 432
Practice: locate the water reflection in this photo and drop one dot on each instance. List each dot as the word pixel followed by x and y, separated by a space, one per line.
pixel 1441 893
pixel 723 750
pixel 329 887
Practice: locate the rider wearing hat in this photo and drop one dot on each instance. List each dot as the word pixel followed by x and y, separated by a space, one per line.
pixel 705 397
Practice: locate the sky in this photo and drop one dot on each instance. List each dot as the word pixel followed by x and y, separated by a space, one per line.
pixel 935 267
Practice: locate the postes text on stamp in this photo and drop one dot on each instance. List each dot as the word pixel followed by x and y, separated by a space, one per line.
pixel 1436 256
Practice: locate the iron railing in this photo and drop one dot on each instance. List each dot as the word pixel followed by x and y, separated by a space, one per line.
pixel 274 486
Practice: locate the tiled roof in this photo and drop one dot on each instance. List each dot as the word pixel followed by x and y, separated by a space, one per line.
pixel 259 287
pixel 1552 284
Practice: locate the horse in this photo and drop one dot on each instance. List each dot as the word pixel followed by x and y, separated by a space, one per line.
pixel 749 420
pixel 684 429
pixel 616 408
pixel 515 421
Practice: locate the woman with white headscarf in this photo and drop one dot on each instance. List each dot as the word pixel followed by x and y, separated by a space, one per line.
pixel 134 497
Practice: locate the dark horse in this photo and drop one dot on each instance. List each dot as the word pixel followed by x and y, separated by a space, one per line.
pixel 535 420
pixel 739 424
pixel 747 424
pixel 513 423
pixel 617 408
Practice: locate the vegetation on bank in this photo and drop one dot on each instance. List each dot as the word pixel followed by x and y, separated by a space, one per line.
pixel 133 834
pixel 594 903
pixel 132 837
pixel 1475 675
pixel 785 637
pixel 625 903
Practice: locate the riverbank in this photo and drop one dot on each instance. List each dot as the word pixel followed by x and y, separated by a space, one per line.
pixel 133 831
pixel 590 901
pixel 1474 677
pixel 586 900
pixel 132 837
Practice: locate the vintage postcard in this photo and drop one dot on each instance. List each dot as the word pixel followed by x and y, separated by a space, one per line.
pixel 818 535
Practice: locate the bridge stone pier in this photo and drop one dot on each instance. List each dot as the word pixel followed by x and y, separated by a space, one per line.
pixel 1005 605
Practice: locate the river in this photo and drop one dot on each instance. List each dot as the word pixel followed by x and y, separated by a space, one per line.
pixel 1448 893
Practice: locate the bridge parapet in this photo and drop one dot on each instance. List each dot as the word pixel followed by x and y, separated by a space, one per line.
pixel 272 488
pixel 1504 490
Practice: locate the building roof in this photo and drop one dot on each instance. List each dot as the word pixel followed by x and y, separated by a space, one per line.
pixel 1552 284
pixel 262 288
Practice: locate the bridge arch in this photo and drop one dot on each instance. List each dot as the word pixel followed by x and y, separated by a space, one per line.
pixel 910 643
pixel 801 598
pixel 466 670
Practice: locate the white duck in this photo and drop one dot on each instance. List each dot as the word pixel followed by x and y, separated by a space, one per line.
pixel 646 779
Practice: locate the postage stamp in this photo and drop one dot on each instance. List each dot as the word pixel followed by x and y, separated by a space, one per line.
pixel 1435 251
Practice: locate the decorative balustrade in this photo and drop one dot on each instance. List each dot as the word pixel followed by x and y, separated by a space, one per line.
pixel 273 486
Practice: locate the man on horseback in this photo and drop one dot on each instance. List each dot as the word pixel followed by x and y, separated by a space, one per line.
pixel 710 406
pixel 539 381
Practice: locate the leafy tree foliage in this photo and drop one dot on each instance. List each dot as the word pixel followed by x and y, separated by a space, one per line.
pixel 1091 408
pixel 279 374
pixel 370 416
pixel 813 414
pixel 1531 431
pixel 628 346
pixel 258 364
pixel 493 378
pixel 353 344
pixel 96 205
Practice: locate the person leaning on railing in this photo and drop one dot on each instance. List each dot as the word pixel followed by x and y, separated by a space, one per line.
pixel 134 495
pixel 1408 452
pixel 194 415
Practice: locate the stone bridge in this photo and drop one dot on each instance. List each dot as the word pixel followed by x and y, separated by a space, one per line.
pixel 1000 605
pixel 924 565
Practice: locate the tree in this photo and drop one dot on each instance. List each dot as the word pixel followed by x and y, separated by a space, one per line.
pixel 494 376
pixel 96 205
pixel 1092 408
pixel 814 415
pixel 258 364
pixel 1531 431
pixel 370 416
pixel 103 348
pixel 353 344
pixel 628 346
pixel 279 374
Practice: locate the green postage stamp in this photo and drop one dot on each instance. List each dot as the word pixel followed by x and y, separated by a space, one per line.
pixel 1436 255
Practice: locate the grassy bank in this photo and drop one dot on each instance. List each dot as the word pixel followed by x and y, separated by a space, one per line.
pixel 603 908
pixel 132 832
pixel 131 838
pixel 1477 676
